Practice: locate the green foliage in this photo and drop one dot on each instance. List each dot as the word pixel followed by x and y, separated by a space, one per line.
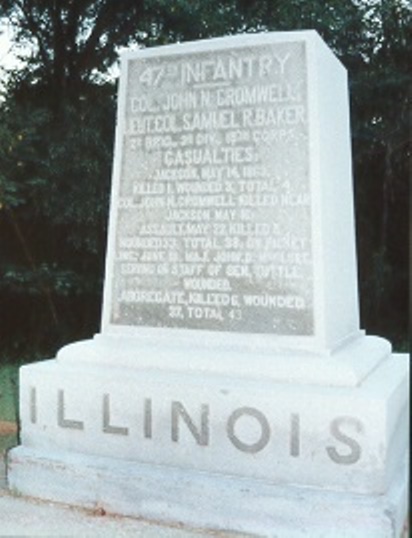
pixel 54 185
pixel 381 128
pixel 56 133
pixel 70 42
pixel 8 392
pixel 8 406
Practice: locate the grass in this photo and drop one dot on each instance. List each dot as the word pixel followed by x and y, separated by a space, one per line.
pixel 8 406
pixel 8 392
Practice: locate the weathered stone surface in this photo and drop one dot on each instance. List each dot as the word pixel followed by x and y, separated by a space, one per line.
pixel 229 154
pixel 341 438
pixel 208 500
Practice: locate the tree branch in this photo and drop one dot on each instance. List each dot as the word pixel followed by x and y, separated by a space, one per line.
pixel 34 28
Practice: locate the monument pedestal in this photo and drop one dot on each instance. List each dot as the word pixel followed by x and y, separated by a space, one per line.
pixel 245 453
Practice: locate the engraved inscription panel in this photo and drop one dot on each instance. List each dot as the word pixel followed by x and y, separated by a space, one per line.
pixel 213 223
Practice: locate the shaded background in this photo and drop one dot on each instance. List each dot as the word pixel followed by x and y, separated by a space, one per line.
pixel 57 119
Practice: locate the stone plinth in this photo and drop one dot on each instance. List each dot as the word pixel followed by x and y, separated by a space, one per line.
pixel 160 445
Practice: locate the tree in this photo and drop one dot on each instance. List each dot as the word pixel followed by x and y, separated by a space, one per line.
pixel 56 132
pixel 71 42
pixel 382 150
pixel 54 184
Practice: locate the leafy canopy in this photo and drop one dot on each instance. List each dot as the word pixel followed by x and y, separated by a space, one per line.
pixel 56 138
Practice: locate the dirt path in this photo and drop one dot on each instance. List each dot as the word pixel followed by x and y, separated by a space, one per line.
pixel 7 428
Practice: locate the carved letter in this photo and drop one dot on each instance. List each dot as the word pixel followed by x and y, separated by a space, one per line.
pixel 148 418
pixel 294 435
pixel 33 405
pixel 355 449
pixel 61 420
pixel 202 436
pixel 107 427
pixel 264 425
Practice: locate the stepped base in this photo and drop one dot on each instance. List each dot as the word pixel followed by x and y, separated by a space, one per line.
pixel 210 501
pixel 255 455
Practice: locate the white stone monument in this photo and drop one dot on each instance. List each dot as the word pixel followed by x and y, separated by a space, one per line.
pixel 230 387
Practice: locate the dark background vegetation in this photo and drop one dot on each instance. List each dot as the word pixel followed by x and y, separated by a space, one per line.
pixel 57 122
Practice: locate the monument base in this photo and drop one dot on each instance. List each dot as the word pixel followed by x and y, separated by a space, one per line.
pixel 207 500
pixel 202 448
